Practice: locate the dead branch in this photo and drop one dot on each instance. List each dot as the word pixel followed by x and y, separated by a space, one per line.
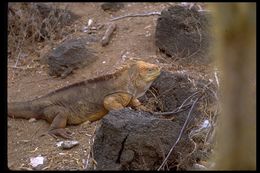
pixel 175 111
pixel 179 137
pixel 216 78
pixel 90 162
pixel 106 38
pixel 23 68
pixel 137 15
pixel 213 92
pixel 195 145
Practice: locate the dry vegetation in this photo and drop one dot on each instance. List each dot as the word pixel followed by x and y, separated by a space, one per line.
pixel 33 23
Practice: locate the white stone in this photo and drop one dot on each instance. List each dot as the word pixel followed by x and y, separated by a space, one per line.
pixel 35 161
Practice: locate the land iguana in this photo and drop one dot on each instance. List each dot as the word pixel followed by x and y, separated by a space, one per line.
pixel 89 100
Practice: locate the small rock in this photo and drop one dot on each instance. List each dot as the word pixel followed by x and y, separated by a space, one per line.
pixel 31 120
pixel 147 34
pixel 58 144
pixel 206 124
pixel 67 144
pixel 37 162
pixel 70 55
pixel 24 141
pixel 125 55
pixel 90 21
pixel 112 6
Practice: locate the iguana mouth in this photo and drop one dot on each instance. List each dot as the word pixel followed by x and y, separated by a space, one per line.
pixel 152 76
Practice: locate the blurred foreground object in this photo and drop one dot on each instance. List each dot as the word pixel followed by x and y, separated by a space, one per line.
pixel 235 53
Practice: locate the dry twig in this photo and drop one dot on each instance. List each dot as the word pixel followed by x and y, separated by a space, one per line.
pixel 175 111
pixel 137 15
pixel 106 38
pixel 179 137
pixel 180 108
pixel 90 158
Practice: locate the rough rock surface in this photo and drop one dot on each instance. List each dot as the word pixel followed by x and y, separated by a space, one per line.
pixel 183 33
pixel 112 6
pixel 70 55
pixel 131 140
pixel 171 89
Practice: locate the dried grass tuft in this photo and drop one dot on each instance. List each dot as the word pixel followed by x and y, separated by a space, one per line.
pixel 33 23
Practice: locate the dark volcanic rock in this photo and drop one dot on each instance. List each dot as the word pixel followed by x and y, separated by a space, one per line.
pixel 184 33
pixel 70 55
pixel 172 88
pixel 112 6
pixel 131 140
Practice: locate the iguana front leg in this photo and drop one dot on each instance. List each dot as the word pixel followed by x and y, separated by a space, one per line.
pixel 58 117
pixel 117 101
pixel 137 104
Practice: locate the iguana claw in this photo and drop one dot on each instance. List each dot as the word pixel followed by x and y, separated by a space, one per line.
pixel 60 132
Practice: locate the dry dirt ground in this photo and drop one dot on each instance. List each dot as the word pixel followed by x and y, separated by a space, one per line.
pixel 134 37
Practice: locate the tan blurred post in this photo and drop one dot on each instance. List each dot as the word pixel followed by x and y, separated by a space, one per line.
pixel 235 53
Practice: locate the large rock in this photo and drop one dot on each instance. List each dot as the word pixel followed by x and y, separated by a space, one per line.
pixel 131 140
pixel 184 33
pixel 172 88
pixel 135 140
pixel 70 55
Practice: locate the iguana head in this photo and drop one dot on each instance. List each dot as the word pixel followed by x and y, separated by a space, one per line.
pixel 146 71
pixel 142 75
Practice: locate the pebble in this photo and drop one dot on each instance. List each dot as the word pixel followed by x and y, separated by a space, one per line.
pixel 67 144
pixel 24 141
pixel 37 162
pixel 31 120
pixel 90 21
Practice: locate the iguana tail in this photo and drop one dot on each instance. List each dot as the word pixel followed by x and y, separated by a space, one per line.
pixel 21 110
